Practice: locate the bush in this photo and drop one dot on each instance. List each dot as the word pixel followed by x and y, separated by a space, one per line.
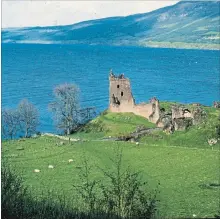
pixel 124 196
pixel 218 128
pixel 12 194
pixel 38 133
pixel 18 204
pixel 105 112
pixel 94 126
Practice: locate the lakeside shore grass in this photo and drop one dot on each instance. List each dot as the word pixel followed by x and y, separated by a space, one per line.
pixel 180 45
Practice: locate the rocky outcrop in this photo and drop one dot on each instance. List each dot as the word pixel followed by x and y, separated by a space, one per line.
pixel 181 118
pixel 165 121
pixel 134 136
pixel 182 124
pixel 198 115
pixel 180 111
pixel 216 104
pixel 155 115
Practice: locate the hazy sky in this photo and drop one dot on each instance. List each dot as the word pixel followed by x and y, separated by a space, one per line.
pixel 45 13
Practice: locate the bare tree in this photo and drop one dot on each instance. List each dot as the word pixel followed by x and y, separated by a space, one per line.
pixel 86 114
pixel 10 123
pixel 66 107
pixel 28 117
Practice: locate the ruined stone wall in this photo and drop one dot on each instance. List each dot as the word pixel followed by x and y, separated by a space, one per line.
pixel 180 112
pixel 144 110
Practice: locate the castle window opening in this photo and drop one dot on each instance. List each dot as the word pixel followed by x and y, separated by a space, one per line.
pixel 118 86
pixel 122 94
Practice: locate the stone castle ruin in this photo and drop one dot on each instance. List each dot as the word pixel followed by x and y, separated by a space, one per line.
pixel 121 100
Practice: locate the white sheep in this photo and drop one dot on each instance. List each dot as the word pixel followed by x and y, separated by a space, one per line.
pixel 70 160
pixel 50 166
pixel 212 141
pixel 137 143
pixel 36 171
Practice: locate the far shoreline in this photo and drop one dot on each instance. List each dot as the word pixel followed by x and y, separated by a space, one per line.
pixel 154 45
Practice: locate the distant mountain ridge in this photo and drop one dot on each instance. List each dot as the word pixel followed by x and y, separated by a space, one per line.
pixel 187 24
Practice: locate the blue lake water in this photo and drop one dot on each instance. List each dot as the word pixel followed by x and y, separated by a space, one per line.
pixel 32 71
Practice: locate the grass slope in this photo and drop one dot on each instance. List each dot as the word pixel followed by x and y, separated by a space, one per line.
pixel 118 124
pixel 183 162
pixel 112 124
pixel 180 171
pixel 196 136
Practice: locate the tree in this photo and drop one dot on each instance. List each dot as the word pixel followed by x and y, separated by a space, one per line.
pixel 28 117
pixel 66 107
pixel 10 123
pixel 85 115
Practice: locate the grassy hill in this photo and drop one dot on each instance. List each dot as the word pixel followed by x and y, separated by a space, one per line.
pixel 187 24
pixel 183 162
pixel 122 124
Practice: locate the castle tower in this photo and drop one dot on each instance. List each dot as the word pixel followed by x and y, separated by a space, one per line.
pixel 120 96
pixel 121 99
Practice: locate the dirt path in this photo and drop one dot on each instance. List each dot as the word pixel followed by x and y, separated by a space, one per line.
pixel 115 139
pixel 65 138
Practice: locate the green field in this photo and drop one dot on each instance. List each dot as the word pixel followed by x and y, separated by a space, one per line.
pixel 182 162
